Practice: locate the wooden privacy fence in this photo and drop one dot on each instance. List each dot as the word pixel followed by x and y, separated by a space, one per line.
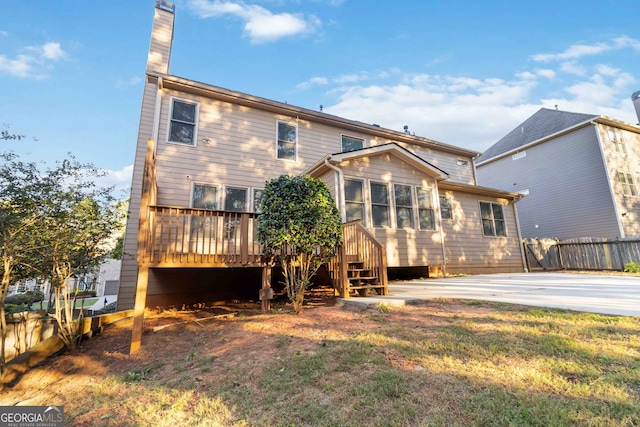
pixel 585 253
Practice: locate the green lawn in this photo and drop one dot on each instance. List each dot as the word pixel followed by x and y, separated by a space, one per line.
pixel 443 363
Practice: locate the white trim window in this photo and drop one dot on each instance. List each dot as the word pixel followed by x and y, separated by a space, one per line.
pixel 628 185
pixel 235 199
pixel 183 122
pixel 204 196
pixel 493 223
pixel 380 204
pixel 350 143
pixel 354 199
pixel 426 217
pixel 403 198
pixel 445 208
pixel 616 139
pixel 257 199
pixel 286 141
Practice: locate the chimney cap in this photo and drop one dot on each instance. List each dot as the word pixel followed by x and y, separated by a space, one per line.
pixel 166 6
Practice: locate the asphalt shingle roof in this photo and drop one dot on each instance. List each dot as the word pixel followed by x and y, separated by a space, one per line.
pixel 543 123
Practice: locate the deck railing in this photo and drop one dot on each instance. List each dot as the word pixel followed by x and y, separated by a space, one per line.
pixel 189 237
pixel 199 237
pixel 359 245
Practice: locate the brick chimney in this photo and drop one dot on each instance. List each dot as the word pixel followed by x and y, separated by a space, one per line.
pixel 161 37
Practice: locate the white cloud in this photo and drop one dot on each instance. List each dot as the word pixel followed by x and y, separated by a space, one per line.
pixel 133 81
pixel 53 51
pixel 474 113
pixel 579 50
pixel 261 25
pixel 314 81
pixel 119 179
pixel 572 67
pixel 33 64
pixel 546 73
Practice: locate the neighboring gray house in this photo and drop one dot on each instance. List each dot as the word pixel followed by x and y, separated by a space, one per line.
pixel 580 173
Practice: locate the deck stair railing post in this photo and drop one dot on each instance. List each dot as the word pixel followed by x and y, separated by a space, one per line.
pixel 360 264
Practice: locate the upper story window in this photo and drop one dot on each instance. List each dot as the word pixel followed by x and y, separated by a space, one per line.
pixel 445 208
pixel 426 218
pixel 493 223
pixel 287 141
pixel 182 126
pixel 461 162
pixel 628 185
pixel 351 144
pixel 519 155
pixel 380 205
pixel 403 198
pixel 204 196
pixel 354 199
pixel 616 139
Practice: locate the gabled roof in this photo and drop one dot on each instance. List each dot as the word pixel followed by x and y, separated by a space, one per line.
pixel 391 148
pixel 543 123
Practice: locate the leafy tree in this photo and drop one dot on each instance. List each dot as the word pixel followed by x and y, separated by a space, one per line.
pixel 5 135
pixel 300 227
pixel 53 224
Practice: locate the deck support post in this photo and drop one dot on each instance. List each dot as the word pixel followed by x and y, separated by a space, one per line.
pixel 138 308
pixel 266 293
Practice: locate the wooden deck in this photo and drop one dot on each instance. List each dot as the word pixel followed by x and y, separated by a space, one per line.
pixel 188 237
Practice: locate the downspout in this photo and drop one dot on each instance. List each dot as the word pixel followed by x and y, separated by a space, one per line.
pixel 609 181
pixel 520 242
pixel 439 216
pixel 339 189
pixel 474 170
pixel 156 116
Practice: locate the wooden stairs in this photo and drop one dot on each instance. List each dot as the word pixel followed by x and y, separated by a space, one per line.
pixel 362 280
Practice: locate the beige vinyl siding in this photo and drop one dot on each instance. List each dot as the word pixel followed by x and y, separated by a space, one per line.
pixel 467 249
pixel 569 194
pixel 447 162
pixel 405 247
pixel 627 163
pixel 129 270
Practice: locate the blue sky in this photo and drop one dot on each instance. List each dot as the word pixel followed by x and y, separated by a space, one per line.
pixel 461 72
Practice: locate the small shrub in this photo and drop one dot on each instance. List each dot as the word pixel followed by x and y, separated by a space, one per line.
pixel 632 267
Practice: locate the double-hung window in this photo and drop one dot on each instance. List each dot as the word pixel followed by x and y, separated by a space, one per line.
pixel 426 218
pixel 628 185
pixel 350 144
pixel 616 139
pixel 182 126
pixel 404 206
pixel 205 196
pixel 235 200
pixel 257 199
pixel 445 208
pixel 493 223
pixel 287 141
pixel 380 206
pixel 354 200
pixel 203 225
